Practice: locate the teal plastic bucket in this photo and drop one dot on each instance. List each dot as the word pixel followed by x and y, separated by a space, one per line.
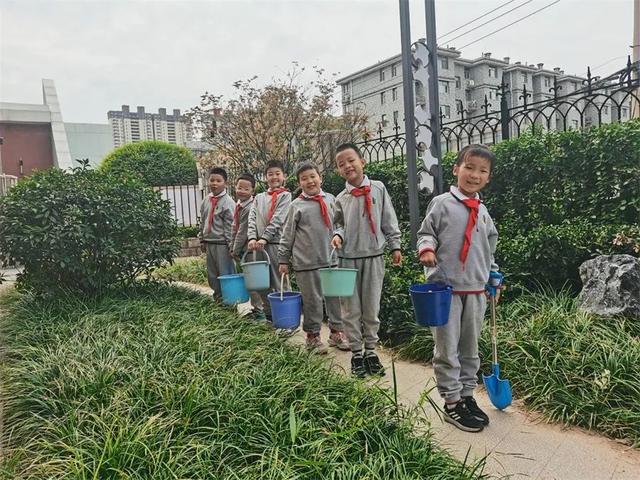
pixel 256 273
pixel 233 289
pixel 286 308
pixel 338 282
pixel 431 303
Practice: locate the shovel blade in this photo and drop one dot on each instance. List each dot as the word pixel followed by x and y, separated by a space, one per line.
pixel 499 390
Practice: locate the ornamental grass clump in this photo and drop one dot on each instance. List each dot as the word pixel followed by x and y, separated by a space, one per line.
pixel 157 382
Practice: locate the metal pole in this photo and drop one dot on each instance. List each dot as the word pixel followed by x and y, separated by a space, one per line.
pixel 635 109
pixel 434 101
pixel 409 120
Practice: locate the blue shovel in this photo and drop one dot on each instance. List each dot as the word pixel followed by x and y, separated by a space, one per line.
pixel 499 390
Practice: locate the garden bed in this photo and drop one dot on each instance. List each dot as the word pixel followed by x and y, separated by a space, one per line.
pixel 157 382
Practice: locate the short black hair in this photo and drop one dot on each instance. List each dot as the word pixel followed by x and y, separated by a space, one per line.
pixel 476 150
pixel 248 177
pixel 304 167
pixel 346 146
pixel 218 171
pixel 274 164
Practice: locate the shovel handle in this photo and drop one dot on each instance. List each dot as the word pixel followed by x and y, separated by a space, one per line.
pixel 494 332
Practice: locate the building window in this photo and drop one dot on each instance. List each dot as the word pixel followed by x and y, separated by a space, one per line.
pixel 547 82
pixel 493 72
pixel 525 77
pixel 382 98
pixel 625 112
pixel 446 111
pixel 382 74
pixel 394 70
pixel 444 63
pixel 458 82
pixel 394 94
pixel 384 120
pixel 444 87
pixel 574 124
pixel 467 73
pixel 491 95
pixel 395 117
pixel 605 109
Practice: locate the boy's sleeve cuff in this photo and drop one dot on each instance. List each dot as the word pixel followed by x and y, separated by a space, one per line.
pixel 426 249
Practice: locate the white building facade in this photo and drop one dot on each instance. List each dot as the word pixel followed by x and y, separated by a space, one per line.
pixel 132 127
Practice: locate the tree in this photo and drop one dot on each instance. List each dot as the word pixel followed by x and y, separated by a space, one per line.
pixel 287 120
pixel 155 163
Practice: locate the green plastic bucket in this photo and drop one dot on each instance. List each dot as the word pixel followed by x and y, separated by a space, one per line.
pixel 256 273
pixel 338 282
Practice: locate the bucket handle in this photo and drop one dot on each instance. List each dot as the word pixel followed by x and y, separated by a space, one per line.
pixel 255 256
pixel 442 269
pixel 333 251
pixel 282 277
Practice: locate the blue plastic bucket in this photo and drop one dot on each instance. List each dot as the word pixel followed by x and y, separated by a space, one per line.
pixel 285 312
pixel 233 289
pixel 431 303
pixel 338 282
pixel 256 274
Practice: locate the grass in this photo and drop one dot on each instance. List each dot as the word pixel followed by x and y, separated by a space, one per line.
pixel 157 382
pixel 192 270
pixel 573 367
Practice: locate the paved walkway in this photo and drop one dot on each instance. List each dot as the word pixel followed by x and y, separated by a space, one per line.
pixel 518 444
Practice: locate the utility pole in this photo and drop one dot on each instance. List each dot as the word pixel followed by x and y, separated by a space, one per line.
pixel 635 48
pixel 434 88
pixel 409 120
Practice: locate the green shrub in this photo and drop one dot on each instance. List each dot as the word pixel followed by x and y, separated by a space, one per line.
pixel 159 383
pixel 85 230
pixel 156 163
pixel 188 231
pixel 192 270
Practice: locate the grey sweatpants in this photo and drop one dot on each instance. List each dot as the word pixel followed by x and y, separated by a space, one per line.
pixel 312 302
pixel 455 355
pixel 360 311
pixel 219 263
pixel 272 251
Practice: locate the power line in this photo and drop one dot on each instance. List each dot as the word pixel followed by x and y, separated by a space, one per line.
pixel 477 18
pixel 512 23
pixel 489 21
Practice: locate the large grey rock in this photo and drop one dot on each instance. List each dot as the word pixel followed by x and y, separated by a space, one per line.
pixel 611 285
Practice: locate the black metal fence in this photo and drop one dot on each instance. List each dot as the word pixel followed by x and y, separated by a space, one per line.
pixel 598 101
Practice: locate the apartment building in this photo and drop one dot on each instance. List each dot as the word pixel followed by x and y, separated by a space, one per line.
pixel 130 127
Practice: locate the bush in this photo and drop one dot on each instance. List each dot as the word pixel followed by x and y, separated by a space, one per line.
pixel 156 163
pixel 85 230
pixel 188 231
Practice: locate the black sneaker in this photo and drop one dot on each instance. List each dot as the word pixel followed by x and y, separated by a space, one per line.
pixel 461 417
pixel 475 410
pixel 357 366
pixel 372 364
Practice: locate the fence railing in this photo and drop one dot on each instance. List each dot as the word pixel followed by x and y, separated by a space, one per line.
pixel 185 202
pixel 599 101
pixel 6 182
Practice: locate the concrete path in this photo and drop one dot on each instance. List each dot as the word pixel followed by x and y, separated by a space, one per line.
pixel 518 444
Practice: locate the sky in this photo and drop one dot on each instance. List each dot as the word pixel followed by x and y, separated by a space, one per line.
pixel 104 54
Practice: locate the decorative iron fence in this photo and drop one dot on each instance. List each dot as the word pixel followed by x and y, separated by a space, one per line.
pixel 599 101
pixel 185 202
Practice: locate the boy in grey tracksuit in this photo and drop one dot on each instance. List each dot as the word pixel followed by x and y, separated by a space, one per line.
pixel 365 222
pixel 245 186
pixel 457 240
pixel 266 218
pixel 216 221
pixel 305 243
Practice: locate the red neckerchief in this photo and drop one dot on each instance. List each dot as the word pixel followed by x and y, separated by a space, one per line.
pixel 274 199
pixel 364 192
pixel 323 207
pixel 473 204
pixel 214 202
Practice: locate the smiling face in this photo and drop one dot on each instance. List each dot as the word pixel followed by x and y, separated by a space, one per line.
pixel 473 174
pixel 310 182
pixel 350 166
pixel 244 190
pixel 275 178
pixel 217 183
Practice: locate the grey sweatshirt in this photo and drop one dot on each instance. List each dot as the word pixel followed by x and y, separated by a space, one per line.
pixel 352 224
pixel 239 237
pixel 306 240
pixel 442 232
pixel 259 227
pixel 220 232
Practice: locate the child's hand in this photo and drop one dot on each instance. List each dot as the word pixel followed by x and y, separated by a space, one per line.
pixel 260 244
pixel 251 245
pixel 283 269
pixel 336 242
pixel 428 259
pixel 396 257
